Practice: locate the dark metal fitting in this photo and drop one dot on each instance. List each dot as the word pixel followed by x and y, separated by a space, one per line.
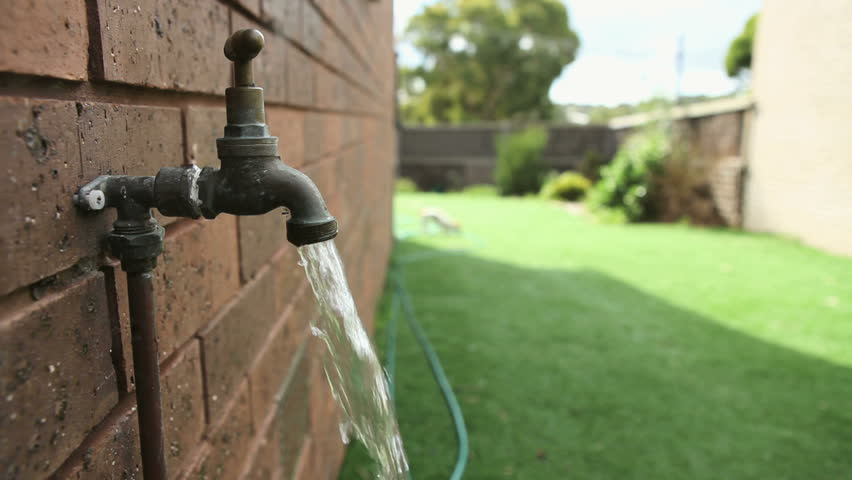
pixel 176 191
pixel 137 251
pixel 307 233
pixel 115 190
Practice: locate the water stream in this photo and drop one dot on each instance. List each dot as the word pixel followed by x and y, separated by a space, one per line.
pixel 353 371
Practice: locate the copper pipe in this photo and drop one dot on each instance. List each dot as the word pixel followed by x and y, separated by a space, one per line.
pixel 146 369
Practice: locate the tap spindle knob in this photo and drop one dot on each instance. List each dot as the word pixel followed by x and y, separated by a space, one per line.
pixel 244 45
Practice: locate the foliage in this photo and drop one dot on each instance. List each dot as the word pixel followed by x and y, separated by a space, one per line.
pixel 480 190
pixel 404 185
pixel 627 182
pixel 570 186
pixel 587 351
pixel 738 58
pixel 520 169
pixel 591 165
pixel 486 60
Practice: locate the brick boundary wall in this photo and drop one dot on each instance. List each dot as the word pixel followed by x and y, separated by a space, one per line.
pixel 109 86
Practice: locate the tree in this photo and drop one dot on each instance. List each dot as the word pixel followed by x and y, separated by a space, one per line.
pixel 486 60
pixel 738 58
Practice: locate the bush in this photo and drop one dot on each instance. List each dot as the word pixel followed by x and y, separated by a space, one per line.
pixel 570 186
pixel 480 190
pixel 519 166
pixel 627 183
pixel 591 165
pixel 405 185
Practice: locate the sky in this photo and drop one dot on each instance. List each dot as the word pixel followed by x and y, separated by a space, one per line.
pixel 629 48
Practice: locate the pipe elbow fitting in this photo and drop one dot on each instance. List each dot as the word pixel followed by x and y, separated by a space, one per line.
pixel 310 221
pixel 251 186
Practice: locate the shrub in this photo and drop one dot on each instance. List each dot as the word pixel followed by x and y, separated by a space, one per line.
pixel 480 190
pixel 519 166
pixel 626 184
pixel 591 165
pixel 405 185
pixel 570 186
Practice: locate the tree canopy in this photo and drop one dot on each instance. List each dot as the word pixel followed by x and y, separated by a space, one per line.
pixel 486 60
pixel 738 58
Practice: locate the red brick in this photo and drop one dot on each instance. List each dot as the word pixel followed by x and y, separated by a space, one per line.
pixel 270 66
pixel 289 126
pixel 163 44
pixel 266 464
pixel 198 274
pixel 273 364
pixel 115 453
pixel 229 442
pixel 261 236
pixel 323 175
pixel 129 140
pixel 42 232
pixel 293 418
pixel 289 277
pixel 253 6
pixel 314 136
pixel 301 78
pixel 49 404
pixel 313 29
pixel 203 126
pixel 325 419
pixel 231 342
pixel 44 38
pixel 329 90
pixel 285 16
pixel 333 134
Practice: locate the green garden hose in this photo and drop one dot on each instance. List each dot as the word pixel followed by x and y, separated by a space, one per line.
pixel 401 298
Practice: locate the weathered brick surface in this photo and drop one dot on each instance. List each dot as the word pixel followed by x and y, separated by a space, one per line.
pixel 42 232
pixel 230 342
pixel 261 236
pixel 44 38
pixel 313 29
pixel 300 78
pixel 203 126
pixel 229 442
pixel 293 422
pixel 165 44
pixel 243 394
pixel 115 452
pixel 289 126
pixel 194 282
pixel 285 16
pixel 272 367
pixel 56 377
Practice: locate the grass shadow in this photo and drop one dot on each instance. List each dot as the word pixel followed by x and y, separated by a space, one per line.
pixel 576 374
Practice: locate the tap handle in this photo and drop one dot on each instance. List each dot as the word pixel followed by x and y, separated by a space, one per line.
pixel 241 47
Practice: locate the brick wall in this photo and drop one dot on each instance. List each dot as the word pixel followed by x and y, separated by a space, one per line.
pixel 109 86
pixel 705 181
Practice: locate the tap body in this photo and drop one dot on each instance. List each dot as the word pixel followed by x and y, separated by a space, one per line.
pixel 252 179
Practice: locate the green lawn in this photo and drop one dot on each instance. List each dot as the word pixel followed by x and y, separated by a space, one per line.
pixel 589 351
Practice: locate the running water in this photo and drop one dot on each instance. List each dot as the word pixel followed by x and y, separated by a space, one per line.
pixel 353 371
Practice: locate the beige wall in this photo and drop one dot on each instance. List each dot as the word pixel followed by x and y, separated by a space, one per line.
pixel 800 157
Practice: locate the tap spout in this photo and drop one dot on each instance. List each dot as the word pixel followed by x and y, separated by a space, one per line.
pixel 254 186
